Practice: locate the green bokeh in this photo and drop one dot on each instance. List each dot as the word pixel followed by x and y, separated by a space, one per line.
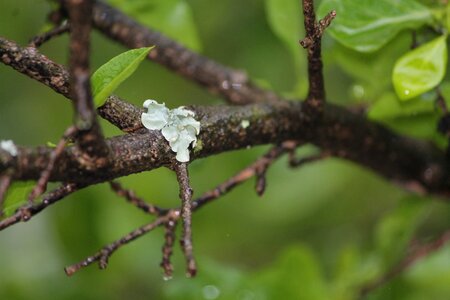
pixel 330 225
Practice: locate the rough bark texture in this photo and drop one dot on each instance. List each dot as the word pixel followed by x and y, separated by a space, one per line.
pixel 417 164
pixel 256 117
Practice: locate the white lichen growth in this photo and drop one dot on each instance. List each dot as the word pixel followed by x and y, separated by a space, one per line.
pixel 9 146
pixel 178 126
pixel 245 123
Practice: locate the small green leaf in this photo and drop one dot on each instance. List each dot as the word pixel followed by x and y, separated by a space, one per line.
pixel 110 75
pixel 367 25
pixel 17 196
pixel 420 69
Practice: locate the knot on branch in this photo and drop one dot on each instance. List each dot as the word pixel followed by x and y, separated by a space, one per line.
pixel 315 30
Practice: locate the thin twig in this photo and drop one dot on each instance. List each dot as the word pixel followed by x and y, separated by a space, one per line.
pixel 167 249
pixel 295 162
pixel 26 212
pixel 417 253
pixel 312 42
pixel 186 215
pixel 261 163
pixel 41 185
pixel 131 197
pixel 440 101
pixel 103 255
pixel 39 40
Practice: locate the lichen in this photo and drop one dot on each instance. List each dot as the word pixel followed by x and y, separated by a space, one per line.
pixel 177 125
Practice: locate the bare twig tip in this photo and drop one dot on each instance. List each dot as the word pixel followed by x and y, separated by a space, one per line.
pixel 70 270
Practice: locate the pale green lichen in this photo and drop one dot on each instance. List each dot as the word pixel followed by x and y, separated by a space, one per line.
pixel 9 146
pixel 245 123
pixel 178 126
pixel 198 146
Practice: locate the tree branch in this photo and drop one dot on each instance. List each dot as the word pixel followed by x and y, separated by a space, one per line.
pixel 94 151
pixel 415 164
pixel 186 192
pixel 313 43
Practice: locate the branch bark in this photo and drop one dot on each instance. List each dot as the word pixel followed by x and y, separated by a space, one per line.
pixel 415 164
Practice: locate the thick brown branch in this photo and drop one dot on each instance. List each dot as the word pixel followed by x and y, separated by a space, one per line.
pixel 416 164
pixel 343 134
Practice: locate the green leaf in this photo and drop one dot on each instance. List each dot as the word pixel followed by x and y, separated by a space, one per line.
pixel 421 69
pixel 17 196
pixel 110 75
pixel 174 18
pixel 367 25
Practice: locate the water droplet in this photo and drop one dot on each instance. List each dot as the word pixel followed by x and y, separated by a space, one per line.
pixel 358 91
pixel 210 292
pixel 236 86
pixel 406 92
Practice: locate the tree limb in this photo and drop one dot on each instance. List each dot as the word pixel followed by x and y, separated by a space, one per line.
pixel 416 164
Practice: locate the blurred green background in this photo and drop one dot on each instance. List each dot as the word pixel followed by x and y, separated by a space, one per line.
pixel 319 232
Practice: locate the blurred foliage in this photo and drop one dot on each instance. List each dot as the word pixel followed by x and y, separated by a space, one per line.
pixel 320 232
